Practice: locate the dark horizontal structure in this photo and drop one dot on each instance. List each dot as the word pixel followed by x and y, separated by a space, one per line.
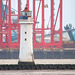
pixel 40 54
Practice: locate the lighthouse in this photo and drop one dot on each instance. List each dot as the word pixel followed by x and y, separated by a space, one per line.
pixel 26 46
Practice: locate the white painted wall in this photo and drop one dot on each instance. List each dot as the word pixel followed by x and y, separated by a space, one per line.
pixel 26 47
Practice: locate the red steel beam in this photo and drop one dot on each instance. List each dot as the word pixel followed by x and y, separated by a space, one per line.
pixel 9 22
pixel 28 3
pixel 38 10
pixel 34 35
pixel 57 16
pixel 0 21
pixel 60 22
pixel 19 12
pixel 19 8
pixel 4 11
pixel 43 22
pixel 44 28
pixel 52 36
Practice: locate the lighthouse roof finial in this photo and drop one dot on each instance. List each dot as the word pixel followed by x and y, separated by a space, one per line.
pixel 26 9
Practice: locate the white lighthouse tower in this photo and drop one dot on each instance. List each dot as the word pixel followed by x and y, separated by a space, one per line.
pixel 26 46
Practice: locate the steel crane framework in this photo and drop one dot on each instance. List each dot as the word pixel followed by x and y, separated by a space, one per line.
pixel 6 26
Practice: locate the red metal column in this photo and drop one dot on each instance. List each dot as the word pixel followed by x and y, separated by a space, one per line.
pixel 61 22
pixel 52 36
pixel 19 8
pixel 34 35
pixel 28 3
pixel 43 22
pixel 19 12
pixel 0 21
pixel 9 22
pixel 6 38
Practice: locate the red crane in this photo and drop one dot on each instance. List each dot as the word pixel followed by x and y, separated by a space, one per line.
pixel 53 26
pixel 6 26
pixel 13 26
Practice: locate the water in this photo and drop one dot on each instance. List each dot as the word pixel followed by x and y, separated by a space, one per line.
pixel 38 72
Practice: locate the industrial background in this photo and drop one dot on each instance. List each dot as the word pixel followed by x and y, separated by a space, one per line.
pixel 49 33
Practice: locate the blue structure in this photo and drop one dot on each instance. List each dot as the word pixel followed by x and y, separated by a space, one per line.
pixel 3 6
pixel 23 17
pixel 14 35
pixel 74 34
pixel 71 32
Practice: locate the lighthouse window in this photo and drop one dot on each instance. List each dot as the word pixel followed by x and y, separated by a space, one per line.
pixel 25 39
pixel 25 14
pixel 25 32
